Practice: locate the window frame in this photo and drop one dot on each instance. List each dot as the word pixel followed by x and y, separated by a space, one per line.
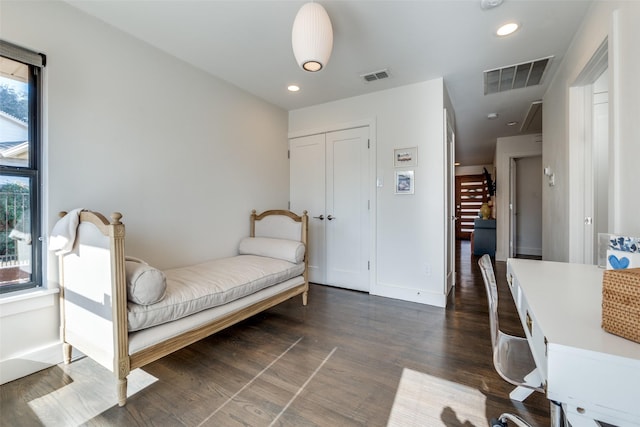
pixel 33 171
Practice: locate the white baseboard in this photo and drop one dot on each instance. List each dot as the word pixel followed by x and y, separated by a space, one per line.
pixel 529 251
pixel 409 294
pixel 29 363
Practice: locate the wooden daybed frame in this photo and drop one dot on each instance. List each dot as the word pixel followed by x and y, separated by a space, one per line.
pixel 93 295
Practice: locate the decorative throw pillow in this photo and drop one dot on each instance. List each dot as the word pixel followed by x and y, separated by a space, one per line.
pixel 287 250
pixel 146 285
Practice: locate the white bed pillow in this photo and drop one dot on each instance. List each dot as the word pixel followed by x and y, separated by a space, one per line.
pixel 287 250
pixel 146 285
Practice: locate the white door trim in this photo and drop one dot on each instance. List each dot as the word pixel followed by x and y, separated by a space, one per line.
pixel 503 160
pixel 513 207
pixel 450 202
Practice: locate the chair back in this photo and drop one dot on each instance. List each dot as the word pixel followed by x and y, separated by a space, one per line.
pixel 491 287
pixel 512 356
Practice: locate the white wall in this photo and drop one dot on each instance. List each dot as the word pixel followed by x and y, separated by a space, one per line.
pixel 410 237
pixel 183 155
pixel 529 206
pixel 507 148
pixel 617 20
pixel 625 65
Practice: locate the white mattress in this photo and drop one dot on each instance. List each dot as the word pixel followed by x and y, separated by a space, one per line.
pixel 199 287
pixel 145 338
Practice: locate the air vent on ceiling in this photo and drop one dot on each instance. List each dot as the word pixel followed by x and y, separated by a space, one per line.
pixel 376 75
pixel 516 76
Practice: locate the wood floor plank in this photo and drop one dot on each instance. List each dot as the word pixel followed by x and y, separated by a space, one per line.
pixel 280 367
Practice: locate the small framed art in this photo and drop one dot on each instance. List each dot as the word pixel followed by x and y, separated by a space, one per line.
pixel 403 157
pixel 404 182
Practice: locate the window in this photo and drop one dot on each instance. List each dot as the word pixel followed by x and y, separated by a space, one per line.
pixel 20 165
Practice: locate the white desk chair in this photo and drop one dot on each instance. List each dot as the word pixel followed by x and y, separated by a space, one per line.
pixel 512 357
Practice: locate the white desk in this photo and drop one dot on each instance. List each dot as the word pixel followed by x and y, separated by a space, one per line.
pixel 594 374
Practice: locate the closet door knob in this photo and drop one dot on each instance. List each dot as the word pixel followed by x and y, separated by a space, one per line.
pixel 331 217
pixel 321 217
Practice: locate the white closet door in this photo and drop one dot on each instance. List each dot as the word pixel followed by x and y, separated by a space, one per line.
pixel 347 209
pixel 307 192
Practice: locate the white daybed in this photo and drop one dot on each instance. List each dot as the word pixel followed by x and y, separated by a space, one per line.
pixel 100 319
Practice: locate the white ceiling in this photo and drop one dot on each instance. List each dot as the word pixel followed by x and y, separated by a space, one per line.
pixel 248 43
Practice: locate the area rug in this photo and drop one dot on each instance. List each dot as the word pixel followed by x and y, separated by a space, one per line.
pixel 425 400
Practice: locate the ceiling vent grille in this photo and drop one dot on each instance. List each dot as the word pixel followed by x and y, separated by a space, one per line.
pixel 376 75
pixel 516 76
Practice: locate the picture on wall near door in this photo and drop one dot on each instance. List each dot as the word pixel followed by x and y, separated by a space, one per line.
pixel 404 182
pixel 403 157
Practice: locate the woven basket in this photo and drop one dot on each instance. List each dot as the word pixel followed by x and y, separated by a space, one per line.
pixel 621 303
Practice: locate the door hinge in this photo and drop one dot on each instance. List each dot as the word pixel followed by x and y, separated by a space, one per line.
pixel 289 205
pixel 368 143
pixel 546 347
pixel 368 265
pixel 369 205
pixel 288 154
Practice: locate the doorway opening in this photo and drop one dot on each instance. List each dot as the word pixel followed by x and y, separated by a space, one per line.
pixel 525 231
pixel 471 193
pixel 589 147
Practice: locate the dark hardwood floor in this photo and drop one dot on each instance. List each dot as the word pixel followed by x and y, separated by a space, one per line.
pixel 336 362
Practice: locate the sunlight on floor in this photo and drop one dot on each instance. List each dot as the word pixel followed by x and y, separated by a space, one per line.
pixel 425 400
pixel 96 387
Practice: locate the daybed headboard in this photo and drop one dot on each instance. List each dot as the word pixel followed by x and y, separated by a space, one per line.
pixel 280 224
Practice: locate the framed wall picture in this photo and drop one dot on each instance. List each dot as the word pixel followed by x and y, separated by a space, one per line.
pixel 403 157
pixel 404 182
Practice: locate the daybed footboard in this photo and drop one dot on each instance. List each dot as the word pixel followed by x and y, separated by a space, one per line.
pixel 94 296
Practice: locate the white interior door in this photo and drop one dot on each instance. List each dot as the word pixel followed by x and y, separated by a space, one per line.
pixel 347 209
pixel 307 192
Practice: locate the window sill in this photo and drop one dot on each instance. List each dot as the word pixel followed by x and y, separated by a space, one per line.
pixel 28 300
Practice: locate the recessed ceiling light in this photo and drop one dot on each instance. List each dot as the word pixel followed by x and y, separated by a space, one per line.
pixel 507 29
pixel 512 123
pixel 293 88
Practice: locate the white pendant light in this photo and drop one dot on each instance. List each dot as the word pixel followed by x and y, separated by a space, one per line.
pixel 312 37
